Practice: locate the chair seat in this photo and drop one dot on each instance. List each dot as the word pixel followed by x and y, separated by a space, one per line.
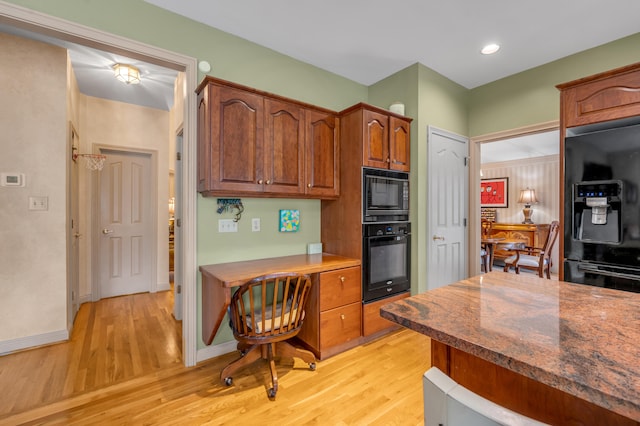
pixel 269 323
pixel 525 260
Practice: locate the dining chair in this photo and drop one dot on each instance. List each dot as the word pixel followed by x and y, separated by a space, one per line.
pixel 537 259
pixel 265 312
pixel 485 225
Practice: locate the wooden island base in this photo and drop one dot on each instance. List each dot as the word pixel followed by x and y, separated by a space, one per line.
pixel 519 393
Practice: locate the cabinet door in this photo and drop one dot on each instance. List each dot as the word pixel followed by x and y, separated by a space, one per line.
pixel 399 144
pixel 283 148
pixel 204 141
pixel 322 157
pixel 375 150
pixel 237 131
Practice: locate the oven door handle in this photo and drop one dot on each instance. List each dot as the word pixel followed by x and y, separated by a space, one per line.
pixel 595 270
pixel 388 238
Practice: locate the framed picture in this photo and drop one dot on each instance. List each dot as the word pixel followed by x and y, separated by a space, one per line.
pixel 289 220
pixel 494 192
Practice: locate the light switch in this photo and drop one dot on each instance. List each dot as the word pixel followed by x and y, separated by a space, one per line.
pixel 38 203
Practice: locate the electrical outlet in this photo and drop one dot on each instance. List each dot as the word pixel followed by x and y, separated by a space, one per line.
pixel 255 224
pixel 38 203
pixel 227 225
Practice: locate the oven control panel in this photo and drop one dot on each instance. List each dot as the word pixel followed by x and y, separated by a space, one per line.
pixel 381 229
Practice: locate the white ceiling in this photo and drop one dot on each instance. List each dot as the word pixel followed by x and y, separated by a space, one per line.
pixel 368 40
pixel 521 147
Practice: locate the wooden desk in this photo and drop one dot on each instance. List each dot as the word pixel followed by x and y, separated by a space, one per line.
pixel 558 352
pixel 218 279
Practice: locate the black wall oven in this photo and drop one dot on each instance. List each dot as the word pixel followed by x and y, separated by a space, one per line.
pixel 386 265
pixel 602 208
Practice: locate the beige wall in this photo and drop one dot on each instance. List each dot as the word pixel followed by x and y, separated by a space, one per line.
pixel 33 119
pixel 541 174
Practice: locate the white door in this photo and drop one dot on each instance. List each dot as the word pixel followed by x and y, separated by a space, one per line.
pixel 448 176
pixel 126 223
pixel 177 233
pixel 73 288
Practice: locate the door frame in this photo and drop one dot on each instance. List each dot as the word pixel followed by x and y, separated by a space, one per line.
pixel 474 181
pixel 95 216
pixel 46 24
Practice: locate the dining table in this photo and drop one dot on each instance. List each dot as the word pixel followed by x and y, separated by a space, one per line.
pixel 491 243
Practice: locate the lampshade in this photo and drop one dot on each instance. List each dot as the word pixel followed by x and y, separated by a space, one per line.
pixel 527 196
pixel 127 73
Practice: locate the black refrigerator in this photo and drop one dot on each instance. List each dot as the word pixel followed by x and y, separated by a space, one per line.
pixel 601 207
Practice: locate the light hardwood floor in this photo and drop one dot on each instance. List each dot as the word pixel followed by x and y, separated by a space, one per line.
pixel 122 366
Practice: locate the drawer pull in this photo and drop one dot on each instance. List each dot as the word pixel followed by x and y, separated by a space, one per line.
pixel 342 279
pixel 342 317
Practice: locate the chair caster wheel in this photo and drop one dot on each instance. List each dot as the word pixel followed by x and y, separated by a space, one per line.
pixel 272 393
pixel 312 366
pixel 228 381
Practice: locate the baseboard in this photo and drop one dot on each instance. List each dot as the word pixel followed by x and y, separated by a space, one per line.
pixel 8 346
pixel 216 350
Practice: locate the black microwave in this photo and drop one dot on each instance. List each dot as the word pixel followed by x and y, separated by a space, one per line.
pixel 385 196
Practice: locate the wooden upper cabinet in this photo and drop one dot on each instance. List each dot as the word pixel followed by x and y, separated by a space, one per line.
pixel 602 97
pixel 375 150
pixel 258 144
pixel 284 147
pixel 322 154
pixel 237 140
pixel 382 137
pixel 399 144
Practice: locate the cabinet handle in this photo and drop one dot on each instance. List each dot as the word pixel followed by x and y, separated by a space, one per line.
pixel 342 280
pixel 268 182
pixel 388 160
pixel 308 185
pixel 342 317
pixel 260 181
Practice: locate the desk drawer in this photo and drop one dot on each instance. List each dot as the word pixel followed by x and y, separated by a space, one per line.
pixel 340 287
pixel 340 325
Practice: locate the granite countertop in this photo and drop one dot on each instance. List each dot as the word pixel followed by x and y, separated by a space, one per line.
pixel 580 339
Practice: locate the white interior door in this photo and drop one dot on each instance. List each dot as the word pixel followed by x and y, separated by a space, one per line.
pixel 126 224
pixel 448 176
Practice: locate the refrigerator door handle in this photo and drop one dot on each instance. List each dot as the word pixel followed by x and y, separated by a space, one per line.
pixel 595 270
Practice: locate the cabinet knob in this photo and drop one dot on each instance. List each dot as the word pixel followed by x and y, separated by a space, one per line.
pixel 388 160
pixel 308 185
pixel 342 279
pixel 268 182
pixel 342 317
pixel 260 181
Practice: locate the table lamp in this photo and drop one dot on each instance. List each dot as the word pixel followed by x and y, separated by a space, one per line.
pixel 527 197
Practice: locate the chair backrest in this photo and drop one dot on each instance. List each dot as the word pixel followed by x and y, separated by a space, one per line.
pixel 270 305
pixel 486 227
pixel 551 238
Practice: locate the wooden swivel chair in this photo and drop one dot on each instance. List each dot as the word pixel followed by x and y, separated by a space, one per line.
pixel 264 312
pixel 537 259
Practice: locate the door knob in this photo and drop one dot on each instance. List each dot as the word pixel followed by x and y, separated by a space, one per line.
pixel 77 235
pixel 106 231
pixel 435 238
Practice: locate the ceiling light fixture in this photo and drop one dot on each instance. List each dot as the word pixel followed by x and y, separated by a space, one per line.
pixel 127 73
pixel 490 49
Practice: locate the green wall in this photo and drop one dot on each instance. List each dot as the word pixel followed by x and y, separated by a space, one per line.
pixel 531 97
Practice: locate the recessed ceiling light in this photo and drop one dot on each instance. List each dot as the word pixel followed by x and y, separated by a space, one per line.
pixel 490 49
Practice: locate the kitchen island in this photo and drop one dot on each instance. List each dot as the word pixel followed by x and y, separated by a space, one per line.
pixel 558 352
